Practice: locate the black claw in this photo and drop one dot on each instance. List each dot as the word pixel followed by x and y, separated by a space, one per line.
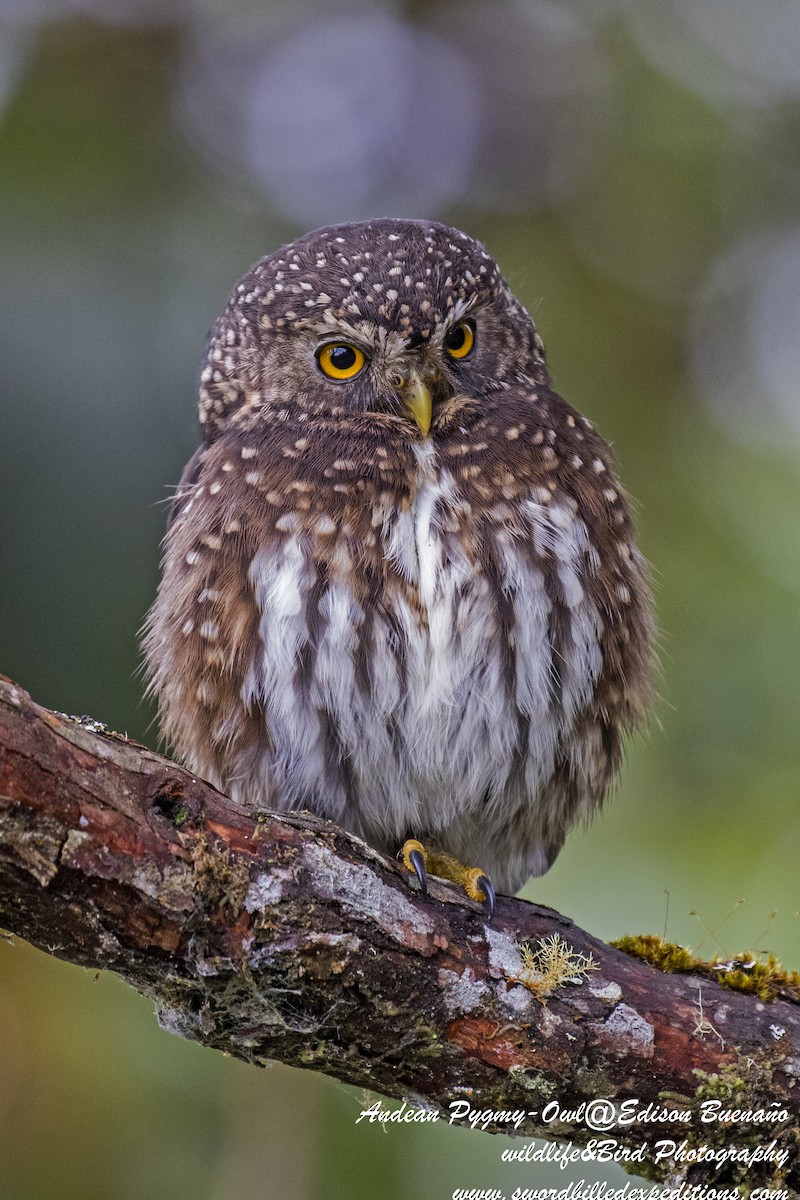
pixel 418 863
pixel 486 884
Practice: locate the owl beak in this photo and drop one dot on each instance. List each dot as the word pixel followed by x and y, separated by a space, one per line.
pixel 418 404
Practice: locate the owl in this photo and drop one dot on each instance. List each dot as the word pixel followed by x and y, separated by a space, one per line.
pixel 400 582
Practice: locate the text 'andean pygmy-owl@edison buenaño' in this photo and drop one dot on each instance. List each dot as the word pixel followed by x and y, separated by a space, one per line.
pixel 400 583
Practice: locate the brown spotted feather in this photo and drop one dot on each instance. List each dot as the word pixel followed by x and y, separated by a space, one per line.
pixel 446 635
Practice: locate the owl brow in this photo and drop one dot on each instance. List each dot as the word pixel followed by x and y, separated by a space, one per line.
pixel 371 337
pixel 357 331
pixel 460 310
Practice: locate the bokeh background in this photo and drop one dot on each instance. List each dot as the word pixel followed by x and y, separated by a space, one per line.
pixel 635 167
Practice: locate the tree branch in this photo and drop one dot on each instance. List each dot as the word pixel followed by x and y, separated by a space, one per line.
pixel 285 938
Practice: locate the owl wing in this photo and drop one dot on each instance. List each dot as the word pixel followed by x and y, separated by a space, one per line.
pixel 600 627
pixel 204 623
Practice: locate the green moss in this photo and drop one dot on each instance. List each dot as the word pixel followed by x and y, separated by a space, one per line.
pixel 747 1083
pixel 650 948
pixel 221 878
pixel 765 978
pixel 728 1085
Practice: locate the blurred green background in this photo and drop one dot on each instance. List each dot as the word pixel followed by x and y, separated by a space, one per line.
pixel 635 167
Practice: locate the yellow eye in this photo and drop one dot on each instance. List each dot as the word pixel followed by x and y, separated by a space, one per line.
pixel 340 360
pixel 461 340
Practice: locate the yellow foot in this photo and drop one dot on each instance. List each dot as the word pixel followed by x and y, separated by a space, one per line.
pixel 475 882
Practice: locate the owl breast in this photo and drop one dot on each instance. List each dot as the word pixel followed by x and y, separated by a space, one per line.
pixel 436 687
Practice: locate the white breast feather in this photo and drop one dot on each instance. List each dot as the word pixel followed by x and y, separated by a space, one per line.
pixel 457 723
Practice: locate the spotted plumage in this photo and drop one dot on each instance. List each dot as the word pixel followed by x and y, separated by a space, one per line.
pixel 407 596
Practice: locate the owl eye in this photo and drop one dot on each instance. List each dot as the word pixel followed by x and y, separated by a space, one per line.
pixel 460 341
pixel 340 360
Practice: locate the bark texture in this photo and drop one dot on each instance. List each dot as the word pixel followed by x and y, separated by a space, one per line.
pixel 285 938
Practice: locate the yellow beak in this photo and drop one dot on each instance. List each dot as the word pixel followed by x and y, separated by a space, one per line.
pixel 418 404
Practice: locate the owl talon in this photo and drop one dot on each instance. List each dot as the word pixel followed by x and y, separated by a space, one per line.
pixel 485 883
pixel 413 856
pixel 418 863
pixel 475 882
pixel 478 886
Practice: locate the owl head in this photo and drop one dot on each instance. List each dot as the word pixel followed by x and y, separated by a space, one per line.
pixel 386 316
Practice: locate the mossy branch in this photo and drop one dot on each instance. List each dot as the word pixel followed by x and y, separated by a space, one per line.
pixel 283 937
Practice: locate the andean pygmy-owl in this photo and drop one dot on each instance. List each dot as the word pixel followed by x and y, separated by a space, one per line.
pixel 400 582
